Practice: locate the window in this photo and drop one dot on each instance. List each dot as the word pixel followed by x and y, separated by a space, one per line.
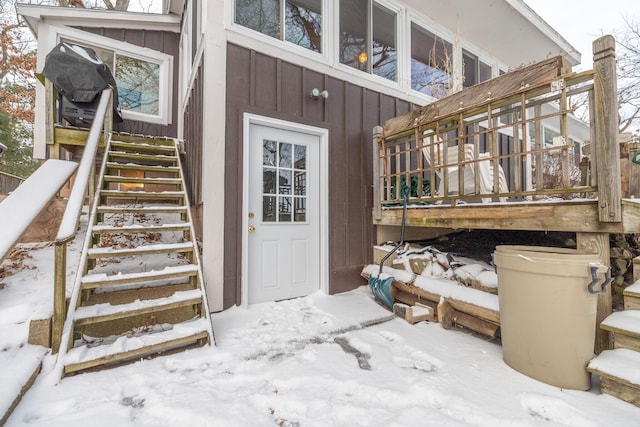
pixel 431 63
pixel 143 76
pixel 302 20
pixel 474 70
pixel 368 38
pixel 284 182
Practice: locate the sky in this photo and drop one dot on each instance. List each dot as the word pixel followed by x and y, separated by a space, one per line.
pixel 582 21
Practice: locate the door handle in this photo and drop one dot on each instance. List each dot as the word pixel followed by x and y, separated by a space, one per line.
pixel 251 229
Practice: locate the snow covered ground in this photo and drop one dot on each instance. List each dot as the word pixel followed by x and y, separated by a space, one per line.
pixel 322 360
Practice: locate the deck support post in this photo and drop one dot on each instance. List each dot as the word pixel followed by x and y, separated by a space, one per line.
pixel 377 209
pixel 606 152
pixel 599 243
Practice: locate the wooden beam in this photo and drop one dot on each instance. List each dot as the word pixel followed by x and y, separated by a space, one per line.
pixel 571 216
pixel 598 243
pixel 606 150
pixel 535 75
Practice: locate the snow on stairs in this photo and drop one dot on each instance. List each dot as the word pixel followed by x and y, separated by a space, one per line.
pixel 140 292
pixel 619 369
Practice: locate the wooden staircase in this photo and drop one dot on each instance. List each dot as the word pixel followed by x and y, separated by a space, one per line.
pixel 619 369
pixel 140 291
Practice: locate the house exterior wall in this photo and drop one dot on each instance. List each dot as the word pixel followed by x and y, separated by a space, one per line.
pixel 267 86
pixel 162 41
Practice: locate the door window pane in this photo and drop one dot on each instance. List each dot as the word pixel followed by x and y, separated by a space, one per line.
pixel 285 155
pixel 300 183
pixel 284 182
pixel 269 181
pixel 300 157
pixel 269 209
pixel 385 56
pixel 431 63
pixel 269 149
pixel 284 209
pixel 303 25
pixel 300 211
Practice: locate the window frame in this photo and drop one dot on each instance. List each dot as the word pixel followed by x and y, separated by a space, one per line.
pixel 163 60
pixel 329 57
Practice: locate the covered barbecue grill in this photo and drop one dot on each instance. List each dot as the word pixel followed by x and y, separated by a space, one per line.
pixel 79 76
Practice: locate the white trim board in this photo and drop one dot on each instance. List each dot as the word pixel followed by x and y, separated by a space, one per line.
pixel 323 134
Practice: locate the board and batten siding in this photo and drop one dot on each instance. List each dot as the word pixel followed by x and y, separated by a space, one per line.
pixel 163 41
pixel 267 86
pixel 193 141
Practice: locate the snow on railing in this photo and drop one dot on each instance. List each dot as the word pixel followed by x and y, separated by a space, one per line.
pixel 85 178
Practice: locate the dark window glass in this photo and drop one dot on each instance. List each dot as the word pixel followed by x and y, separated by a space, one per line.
pixel 431 63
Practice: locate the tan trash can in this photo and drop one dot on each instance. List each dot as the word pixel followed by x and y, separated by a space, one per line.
pixel 548 312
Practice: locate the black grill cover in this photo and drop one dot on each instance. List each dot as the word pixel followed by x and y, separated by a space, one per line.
pixel 78 74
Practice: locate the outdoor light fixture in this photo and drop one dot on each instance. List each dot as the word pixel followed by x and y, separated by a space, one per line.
pixel 316 94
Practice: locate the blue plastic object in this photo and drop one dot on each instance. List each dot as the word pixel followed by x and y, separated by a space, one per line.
pixel 381 288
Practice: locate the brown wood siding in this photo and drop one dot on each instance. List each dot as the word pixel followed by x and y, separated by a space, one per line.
pixel 193 140
pixel 162 41
pixel 267 86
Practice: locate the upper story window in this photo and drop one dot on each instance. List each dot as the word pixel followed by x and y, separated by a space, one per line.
pixel 474 69
pixel 302 20
pixel 142 75
pixel 368 40
pixel 431 63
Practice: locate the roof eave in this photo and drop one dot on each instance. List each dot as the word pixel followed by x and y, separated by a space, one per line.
pixel 34 15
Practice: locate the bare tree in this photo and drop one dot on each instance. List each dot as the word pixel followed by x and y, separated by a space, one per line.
pixel 628 55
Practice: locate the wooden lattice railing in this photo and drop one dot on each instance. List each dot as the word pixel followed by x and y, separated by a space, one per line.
pixel 523 125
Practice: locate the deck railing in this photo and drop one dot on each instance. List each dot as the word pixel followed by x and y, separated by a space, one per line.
pixel 85 179
pixel 509 139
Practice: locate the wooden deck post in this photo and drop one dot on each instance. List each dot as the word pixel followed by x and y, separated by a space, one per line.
pixel 606 150
pixel 599 243
pixel 377 136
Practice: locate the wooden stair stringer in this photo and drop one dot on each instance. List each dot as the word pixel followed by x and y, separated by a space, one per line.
pixel 147 340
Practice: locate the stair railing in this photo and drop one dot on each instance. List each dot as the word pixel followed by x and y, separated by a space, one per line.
pixel 85 179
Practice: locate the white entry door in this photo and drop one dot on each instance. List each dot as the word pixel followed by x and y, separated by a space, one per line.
pixel 283 214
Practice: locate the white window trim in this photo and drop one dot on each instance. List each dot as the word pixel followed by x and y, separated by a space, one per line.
pixel 329 62
pixel 142 53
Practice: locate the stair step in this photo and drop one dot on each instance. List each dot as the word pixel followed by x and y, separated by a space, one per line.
pixel 142 194
pixel 141 209
pixel 110 252
pixel 126 348
pixel 139 228
pixel 146 168
pixel 144 139
pixel 155 158
pixel 145 180
pixel 632 297
pixel 94 281
pixel 619 374
pixel 139 147
pixel 106 312
pixel 625 326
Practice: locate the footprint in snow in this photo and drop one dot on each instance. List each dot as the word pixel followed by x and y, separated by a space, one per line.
pixel 362 358
pixel 391 336
pixel 412 358
pixel 555 410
